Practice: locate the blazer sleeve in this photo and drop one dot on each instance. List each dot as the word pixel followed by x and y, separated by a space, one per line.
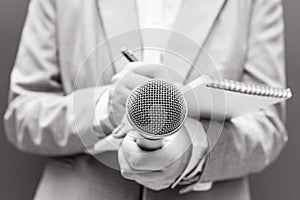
pixel 250 143
pixel 40 117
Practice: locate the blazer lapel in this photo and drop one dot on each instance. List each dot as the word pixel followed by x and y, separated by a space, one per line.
pixel 193 25
pixel 120 23
pixel 90 52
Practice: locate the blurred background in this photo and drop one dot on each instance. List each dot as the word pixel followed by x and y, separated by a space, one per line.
pixel 20 173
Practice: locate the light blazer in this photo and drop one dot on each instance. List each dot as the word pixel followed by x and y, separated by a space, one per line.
pixel 52 105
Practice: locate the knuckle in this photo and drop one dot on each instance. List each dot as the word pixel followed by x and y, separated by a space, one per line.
pixel 134 162
pixel 133 65
pixel 117 93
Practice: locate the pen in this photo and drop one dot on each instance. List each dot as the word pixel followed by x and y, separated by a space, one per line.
pixel 129 55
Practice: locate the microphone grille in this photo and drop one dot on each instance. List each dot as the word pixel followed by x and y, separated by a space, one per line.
pixel 156 108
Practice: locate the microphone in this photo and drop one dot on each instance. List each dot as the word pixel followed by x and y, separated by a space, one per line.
pixel 156 109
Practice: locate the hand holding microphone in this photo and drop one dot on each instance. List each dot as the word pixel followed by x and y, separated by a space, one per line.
pixel 151 153
pixel 154 111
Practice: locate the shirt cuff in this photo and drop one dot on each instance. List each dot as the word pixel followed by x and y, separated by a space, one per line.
pixel 102 120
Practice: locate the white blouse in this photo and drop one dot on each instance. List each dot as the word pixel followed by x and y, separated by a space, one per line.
pixel 158 14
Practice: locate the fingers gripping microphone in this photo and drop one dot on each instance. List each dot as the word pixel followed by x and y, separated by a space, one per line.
pixel 156 109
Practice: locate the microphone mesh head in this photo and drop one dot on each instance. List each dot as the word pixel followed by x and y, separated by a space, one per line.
pixel 156 108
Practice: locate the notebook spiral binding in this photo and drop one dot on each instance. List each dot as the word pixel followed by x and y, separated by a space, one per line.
pixel 247 88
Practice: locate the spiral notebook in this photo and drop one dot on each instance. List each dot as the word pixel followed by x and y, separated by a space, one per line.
pixel 224 99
